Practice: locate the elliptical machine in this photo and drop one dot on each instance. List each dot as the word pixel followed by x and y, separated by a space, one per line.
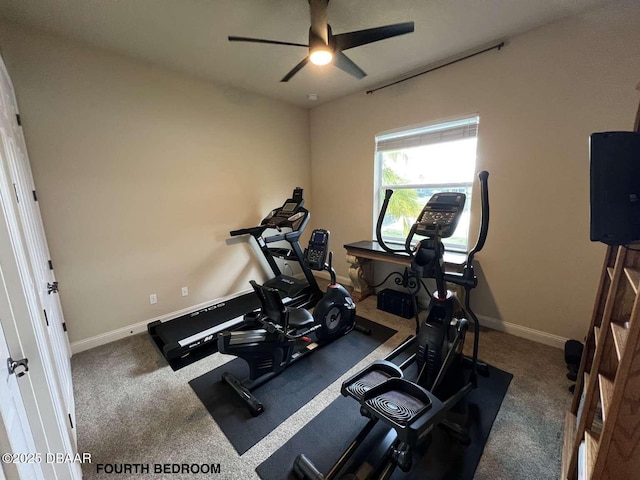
pixel 277 335
pixel 445 376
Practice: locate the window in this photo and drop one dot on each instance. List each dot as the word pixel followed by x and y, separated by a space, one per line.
pixel 417 162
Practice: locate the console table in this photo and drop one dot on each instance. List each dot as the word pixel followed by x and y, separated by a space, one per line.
pixel 362 254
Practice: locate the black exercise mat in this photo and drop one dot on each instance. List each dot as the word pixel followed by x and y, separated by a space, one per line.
pixel 286 393
pixel 325 438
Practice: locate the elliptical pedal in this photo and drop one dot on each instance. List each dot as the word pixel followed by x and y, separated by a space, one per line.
pixel 397 402
pixel 372 375
pixel 408 408
pixel 398 407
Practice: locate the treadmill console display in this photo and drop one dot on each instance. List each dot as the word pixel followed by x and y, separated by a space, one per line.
pixel 285 211
pixel 289 207
pixel 289 215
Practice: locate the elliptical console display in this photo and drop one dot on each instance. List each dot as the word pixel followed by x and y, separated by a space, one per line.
pixel 441 214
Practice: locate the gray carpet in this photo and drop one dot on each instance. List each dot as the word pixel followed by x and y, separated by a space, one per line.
pixel 132 408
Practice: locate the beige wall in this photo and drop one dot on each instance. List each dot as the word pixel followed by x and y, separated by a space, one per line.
pixel 142 172
pixel 538 100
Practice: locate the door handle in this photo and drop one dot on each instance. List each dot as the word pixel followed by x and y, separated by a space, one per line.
pixel 12 365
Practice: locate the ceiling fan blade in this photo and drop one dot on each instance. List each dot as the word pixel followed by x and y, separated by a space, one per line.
pixel 318 11
pixel 295 69
pixel 348 40
pixel 345 63
pixel 262 40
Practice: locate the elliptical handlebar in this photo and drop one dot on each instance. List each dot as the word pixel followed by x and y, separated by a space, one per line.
pixel 467 279
pixel 484 219
pixel 383 211
pixel 483 176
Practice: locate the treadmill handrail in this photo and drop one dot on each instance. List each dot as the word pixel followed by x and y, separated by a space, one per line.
pixel 255 231
pixel 258 230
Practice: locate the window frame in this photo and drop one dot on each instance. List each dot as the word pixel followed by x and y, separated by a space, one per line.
pixel 410 131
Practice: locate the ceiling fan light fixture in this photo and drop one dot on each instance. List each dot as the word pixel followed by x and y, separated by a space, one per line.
pixel 326 48
pixel 321 56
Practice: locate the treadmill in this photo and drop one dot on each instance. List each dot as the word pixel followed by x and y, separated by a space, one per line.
pixel 193 336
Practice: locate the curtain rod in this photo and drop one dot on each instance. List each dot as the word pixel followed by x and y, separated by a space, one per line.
pixel 497 46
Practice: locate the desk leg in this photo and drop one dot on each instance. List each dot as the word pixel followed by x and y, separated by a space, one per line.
pixel 361 274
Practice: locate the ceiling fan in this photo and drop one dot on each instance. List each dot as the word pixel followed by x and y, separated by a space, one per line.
pixel 325 47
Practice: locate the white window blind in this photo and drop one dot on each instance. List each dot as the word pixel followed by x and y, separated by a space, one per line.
pixel 428 135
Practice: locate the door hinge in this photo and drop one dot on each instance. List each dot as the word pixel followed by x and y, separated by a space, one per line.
pixel 15 189
pixel 46 319
pixel 12 365
pixel 52 288
pixel 50 265
pixel 64 326
pixel 35 197
pixel 18 119
pixel 70 421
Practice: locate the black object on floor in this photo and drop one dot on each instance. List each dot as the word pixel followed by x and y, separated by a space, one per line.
pixel 325 438
pixel 572 356
pixel 285 394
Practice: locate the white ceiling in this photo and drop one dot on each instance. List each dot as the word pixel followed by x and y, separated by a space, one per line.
pixel 191 35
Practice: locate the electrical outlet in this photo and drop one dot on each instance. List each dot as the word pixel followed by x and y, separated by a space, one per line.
pixel 185 291
pixel 153 299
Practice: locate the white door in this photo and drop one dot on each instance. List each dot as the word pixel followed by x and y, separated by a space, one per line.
pixel 16 158
pixel 33 320
pixel 25 338
pixel 14 418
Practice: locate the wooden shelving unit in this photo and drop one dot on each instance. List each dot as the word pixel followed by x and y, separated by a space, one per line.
pixel 602 427
pixel 605 414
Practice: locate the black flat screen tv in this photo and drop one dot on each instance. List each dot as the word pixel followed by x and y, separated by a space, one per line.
pixel 615 187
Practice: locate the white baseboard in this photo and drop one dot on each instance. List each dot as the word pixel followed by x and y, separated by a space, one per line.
pixel 140 327
pixel 494 324
pixel 134 329
pixel 523 332
pixel 108 337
